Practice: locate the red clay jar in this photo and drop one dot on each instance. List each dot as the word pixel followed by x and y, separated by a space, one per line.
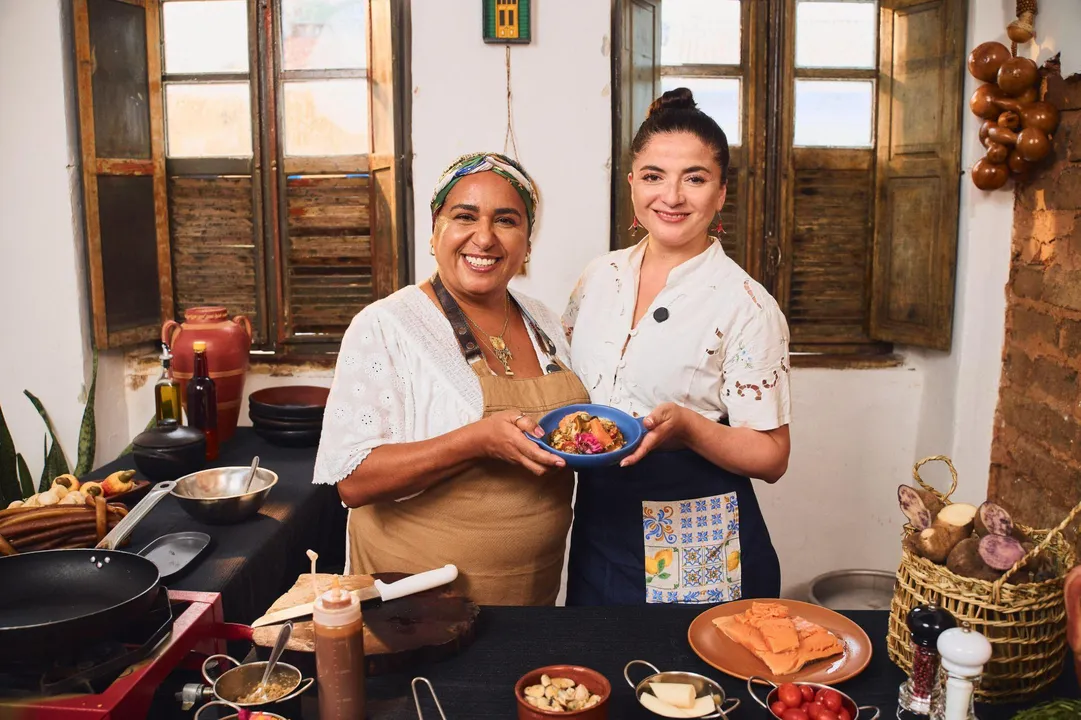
pixel 227 345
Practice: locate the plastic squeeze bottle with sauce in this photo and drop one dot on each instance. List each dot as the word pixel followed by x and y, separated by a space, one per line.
pixel 339 655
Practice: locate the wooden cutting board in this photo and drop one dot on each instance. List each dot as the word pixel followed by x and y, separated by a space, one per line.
pixel 398 635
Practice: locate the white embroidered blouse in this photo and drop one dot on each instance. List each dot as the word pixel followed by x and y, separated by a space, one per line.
pixel 401 377
pixel 713 340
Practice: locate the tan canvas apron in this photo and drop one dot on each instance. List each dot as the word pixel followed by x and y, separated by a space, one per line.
pixel 504 527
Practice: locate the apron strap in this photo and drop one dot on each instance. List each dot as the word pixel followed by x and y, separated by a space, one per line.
pixel 468 342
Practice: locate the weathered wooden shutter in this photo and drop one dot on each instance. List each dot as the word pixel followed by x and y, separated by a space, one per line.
pixel 216 206
pixel 827 243
pixel 339 230
pixel 121 127
pixel 821 261
pixel 635 82
pixel 387 161
pixel 917 184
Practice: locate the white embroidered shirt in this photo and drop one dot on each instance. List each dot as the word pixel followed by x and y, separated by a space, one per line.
pixel 401 377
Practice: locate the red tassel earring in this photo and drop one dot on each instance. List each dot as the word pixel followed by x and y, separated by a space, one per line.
pixel 634 225
pixel 718 227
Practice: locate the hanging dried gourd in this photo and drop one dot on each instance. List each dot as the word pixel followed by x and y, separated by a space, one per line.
pixel 1017 126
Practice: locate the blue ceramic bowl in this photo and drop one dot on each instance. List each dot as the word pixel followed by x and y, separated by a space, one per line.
pixel 632 428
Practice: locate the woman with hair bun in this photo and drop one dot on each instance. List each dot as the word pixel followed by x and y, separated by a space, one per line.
pixel 674 331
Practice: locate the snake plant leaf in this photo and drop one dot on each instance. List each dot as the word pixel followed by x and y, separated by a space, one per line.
pixel 88 430
pixel 55 466
pixel 25 481
pixel 55 463
pixel 9 479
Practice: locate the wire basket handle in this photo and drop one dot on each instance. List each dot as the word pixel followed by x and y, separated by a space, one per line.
pixel 1043 545
pixel 416 697
pixel 928 488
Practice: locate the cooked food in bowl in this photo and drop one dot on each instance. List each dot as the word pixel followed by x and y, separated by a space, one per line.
pixel 580 433
pixel 279 685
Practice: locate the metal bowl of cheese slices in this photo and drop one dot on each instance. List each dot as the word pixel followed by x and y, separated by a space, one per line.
pixel 680 694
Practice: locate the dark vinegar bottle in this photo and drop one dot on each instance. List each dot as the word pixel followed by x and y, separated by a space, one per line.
pixel 203 401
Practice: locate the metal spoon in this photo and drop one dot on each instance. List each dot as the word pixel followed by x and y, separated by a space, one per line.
pixel 279 647
pixel 251 473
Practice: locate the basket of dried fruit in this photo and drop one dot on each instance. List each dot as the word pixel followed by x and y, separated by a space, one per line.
pixel 1004 579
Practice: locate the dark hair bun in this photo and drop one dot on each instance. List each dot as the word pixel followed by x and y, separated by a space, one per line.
pixel 679 99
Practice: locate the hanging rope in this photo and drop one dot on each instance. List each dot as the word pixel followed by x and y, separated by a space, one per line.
pixel 1023 29
pixel 509 140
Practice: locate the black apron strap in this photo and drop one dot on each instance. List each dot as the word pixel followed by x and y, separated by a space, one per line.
pixel 468 343
pixel 471 349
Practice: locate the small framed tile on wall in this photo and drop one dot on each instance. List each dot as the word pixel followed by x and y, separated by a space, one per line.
pixel 507 21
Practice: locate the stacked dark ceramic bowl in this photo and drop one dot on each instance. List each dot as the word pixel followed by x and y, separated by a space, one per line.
pixel 290 415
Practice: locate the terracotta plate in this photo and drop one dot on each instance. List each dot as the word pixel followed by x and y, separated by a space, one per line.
pixel 728 656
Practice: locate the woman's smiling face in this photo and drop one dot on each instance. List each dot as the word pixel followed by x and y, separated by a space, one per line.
pixel 481 236
pixel 676 189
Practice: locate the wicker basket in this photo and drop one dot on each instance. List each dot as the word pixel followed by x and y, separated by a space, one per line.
pixel 1025 623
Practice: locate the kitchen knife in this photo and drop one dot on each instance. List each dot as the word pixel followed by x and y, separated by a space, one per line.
pixel 380 590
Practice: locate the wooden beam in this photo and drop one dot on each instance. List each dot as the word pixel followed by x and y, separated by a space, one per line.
pixel 123 166
pixel 273 179
pixel 208 166
pixel 702 71
pixel 84 71
pixel 339 74
pixel 333 165
pixel 209 78
pixel 836 73
pixel 157 153
pixel 806 158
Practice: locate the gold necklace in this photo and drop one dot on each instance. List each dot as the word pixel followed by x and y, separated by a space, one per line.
pixel 495 342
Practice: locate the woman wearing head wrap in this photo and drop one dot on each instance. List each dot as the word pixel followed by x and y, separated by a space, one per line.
pixel 434 389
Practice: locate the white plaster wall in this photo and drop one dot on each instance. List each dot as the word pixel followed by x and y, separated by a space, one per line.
pixel 562 118
pixel 44 323
pixel 40 272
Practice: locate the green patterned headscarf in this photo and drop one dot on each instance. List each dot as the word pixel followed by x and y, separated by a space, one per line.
pixel 501 165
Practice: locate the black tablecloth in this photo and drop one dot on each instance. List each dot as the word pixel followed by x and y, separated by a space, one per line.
pixel 252 563
pixel 479 683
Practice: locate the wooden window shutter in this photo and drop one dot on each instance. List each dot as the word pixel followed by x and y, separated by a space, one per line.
pixel 118 54
pixel 917 183
pixel 386 167
pixel 636 80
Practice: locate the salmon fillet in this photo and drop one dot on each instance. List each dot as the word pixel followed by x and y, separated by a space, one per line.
pixel 784 643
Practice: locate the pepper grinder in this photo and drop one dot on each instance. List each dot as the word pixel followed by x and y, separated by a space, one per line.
pixel 925 624
pixel 964 653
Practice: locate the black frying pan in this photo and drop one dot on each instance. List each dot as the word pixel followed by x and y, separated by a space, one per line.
pixel 55 600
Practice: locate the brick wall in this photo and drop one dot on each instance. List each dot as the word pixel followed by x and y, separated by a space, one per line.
pixel 1036 451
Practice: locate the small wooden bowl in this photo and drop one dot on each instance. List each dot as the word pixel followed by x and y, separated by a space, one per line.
pixel 597 684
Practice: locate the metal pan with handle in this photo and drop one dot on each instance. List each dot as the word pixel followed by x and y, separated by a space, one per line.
pixel 58 600
pixel 856 712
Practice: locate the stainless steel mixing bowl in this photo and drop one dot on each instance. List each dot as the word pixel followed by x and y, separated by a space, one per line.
pixel 216 495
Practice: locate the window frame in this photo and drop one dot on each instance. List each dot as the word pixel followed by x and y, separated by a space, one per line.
pixel 267 167
pixel 767 207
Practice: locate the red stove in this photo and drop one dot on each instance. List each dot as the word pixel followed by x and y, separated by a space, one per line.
pixel 116 680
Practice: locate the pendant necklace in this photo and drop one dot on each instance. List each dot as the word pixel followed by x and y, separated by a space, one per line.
pixel 495 343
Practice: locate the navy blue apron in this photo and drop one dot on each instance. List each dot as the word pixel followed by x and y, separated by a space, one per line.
pixel 707 540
